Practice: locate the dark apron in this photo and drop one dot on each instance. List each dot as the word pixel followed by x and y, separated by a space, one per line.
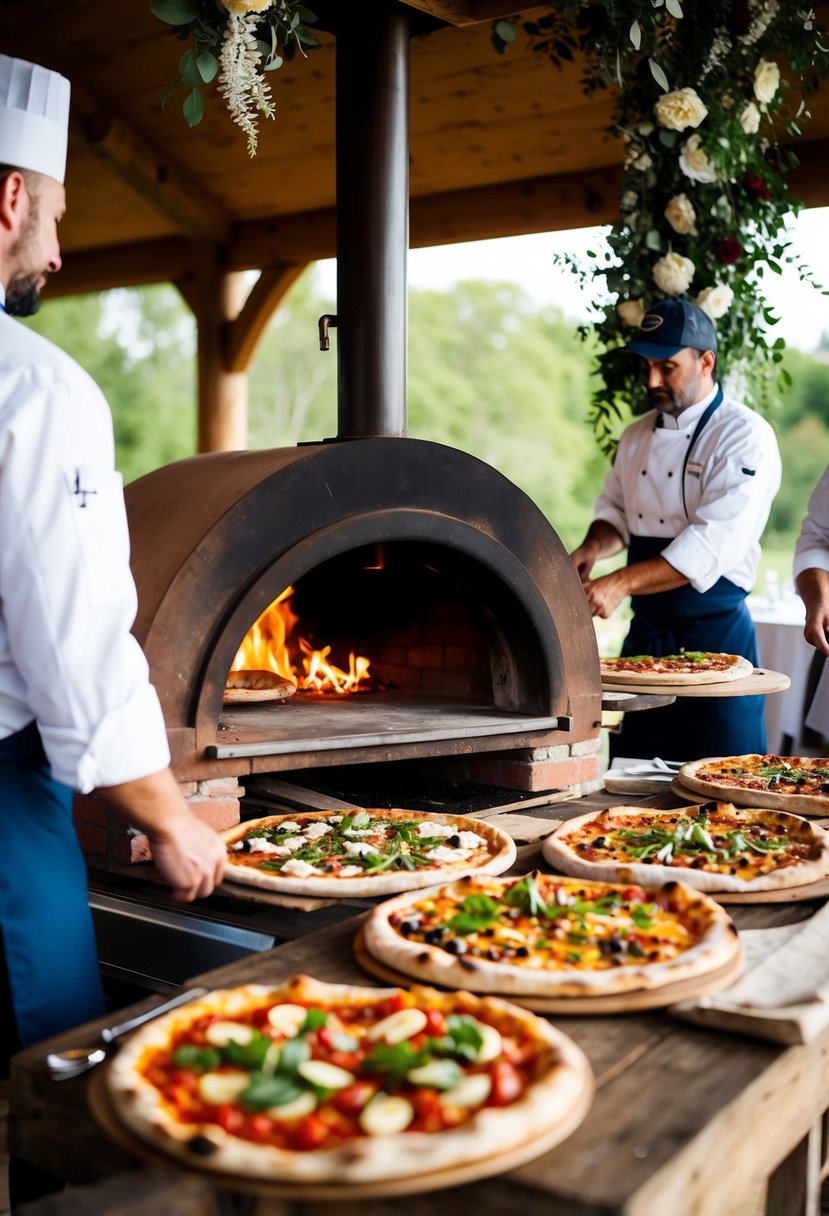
pixel 48 936
pixel 685 619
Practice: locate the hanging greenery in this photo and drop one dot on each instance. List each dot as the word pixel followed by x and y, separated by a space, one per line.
pixel 706 93
pixel 236 43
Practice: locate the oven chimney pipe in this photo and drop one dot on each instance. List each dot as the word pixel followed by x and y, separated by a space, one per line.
pixel 372 118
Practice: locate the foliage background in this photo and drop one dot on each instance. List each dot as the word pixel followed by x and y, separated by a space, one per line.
pixel 489 372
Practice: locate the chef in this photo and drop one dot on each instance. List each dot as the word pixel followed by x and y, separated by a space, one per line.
pixel 811 575
pixel 77 710
pixel 689 494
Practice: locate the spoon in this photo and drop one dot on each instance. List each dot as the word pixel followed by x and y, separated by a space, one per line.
pixel 63 1065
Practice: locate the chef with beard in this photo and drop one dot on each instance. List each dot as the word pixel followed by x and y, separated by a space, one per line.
pixel 688 495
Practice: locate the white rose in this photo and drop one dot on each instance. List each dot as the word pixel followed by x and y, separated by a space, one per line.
pixel 246 6
pixel 750 119
pixel 643 163
pixel 680 109
pixel 694 161
pixel 673 273
pixel 680 215
pixel 715 301
pixel 631 312
pixel 766 80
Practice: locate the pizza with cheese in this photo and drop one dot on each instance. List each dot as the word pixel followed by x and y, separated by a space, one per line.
pixel 689 667
pixel 328 1083
pixel 364 852
pixel 547 936
pixel 787 783
pixel 713 847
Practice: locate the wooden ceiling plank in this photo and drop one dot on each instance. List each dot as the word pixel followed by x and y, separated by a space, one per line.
pixel 465 12
pixel 147 169
pixel 243 334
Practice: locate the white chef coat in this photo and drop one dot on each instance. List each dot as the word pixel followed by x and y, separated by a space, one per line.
pixel 731 479
pixel 811 552
pixel 67 597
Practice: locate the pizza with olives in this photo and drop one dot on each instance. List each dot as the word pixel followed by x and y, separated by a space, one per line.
pixel 363 852
pixel 689 667
pixel 329 1083
pixel 547 936
pixel 713 847
pixel 787 783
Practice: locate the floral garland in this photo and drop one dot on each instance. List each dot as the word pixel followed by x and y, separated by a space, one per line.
pixel 701 106
pixel 238 42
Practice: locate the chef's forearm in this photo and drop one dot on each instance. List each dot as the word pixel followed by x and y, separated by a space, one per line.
pixel 154 803
pixel 651 576
pixel 813 588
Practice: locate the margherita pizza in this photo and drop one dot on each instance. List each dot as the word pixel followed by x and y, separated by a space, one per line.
pixel 311 1082
pixel 786 783
pixel 374 852
pixel 689 667
pixel 544 936
pixel 714 847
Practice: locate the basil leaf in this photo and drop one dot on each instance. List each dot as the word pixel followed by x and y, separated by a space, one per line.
pixel 314 1018
pixel 270 1091
pixel 204 1059
pixel 526 896
pixel 476 912
pixel 250 1056
pixel 294 1052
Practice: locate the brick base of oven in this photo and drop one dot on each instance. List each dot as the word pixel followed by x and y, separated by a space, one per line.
pixel 106 839
pixel 576 767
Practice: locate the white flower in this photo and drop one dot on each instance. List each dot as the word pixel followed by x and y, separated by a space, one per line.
pixel 629 200
pixel 631 312
pixel 766 80
pixel 643 163
pixel 241 85
pixel 694 161
pixel 673 273
pixel 246 6
pixel 750 119
pixel 680 214
pixel 715 301
pixel 680 109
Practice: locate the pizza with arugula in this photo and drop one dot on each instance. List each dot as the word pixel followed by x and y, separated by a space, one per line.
pixel 689 667
pixel 787 783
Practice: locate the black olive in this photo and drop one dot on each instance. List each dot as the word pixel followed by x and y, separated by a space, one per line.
pixel 824 789
pixel 409 926
pixel 435 936
pixel 492 954
pixel 201 1146
pixel 615 945
pixel 454 841
pixel 742 863
pixel 600 843
pixel 455 946
pixel 522 952
pixel 488 932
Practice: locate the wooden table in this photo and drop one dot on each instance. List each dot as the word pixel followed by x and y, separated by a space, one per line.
pixel 686 1121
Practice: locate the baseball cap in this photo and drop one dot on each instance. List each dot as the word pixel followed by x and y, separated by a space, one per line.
pixel 671 325
pixel 34 117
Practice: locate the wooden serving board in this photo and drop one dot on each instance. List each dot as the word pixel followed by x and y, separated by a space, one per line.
pixel 301 903
pixel 106 1114
pixel 621 1002
pixel 759 682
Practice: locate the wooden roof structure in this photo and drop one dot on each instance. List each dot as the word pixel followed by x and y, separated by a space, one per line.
pixel 500 145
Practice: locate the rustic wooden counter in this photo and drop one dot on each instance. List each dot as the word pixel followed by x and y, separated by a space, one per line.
pixel 685 1122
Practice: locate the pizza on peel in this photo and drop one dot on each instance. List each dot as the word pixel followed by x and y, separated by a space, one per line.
pixel 713 847
pixel 787 783
pixel 688 668
pixel 546 936
pixel 319 1083
pixel 365 852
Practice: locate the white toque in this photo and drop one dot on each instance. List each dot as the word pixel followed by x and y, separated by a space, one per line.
pixel 34 117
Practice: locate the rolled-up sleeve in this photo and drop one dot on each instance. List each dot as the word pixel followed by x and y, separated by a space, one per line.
pixel 737 494
pixel 811 550
pixel 68 598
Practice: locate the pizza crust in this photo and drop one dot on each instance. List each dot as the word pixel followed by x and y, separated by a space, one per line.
pixel 558 851
pixel 254 685
pixel 436 966
pixel 548 1101
pixel 501 848
pixel 738 670
pixel 798 804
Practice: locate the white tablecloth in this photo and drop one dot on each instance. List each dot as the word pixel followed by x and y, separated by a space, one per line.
pixel 783 648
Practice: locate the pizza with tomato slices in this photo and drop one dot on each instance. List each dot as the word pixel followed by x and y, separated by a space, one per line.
pixel 363 852
pixel 689 667
pixel 787 783
pixel 329 1083
pixel 713 847
pixel 548 936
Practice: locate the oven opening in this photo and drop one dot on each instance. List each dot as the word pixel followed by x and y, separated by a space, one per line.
pixel 403 641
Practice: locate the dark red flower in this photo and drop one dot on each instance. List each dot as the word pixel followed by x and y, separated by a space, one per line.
pixel 728 250
pixel 756 185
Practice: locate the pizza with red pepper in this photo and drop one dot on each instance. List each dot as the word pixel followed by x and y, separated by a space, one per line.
pixel 689 667
pixel 312 1082
pixel 547 936
pixel 362 852
pixel 713 847
pixel 787 783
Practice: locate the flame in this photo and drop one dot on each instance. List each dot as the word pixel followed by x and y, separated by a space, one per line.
pixel 267 645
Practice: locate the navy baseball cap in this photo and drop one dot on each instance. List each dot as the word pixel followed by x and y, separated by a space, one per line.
pixel 671 325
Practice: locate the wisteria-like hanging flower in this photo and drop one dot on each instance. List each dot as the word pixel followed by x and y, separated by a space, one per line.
pixel 246 92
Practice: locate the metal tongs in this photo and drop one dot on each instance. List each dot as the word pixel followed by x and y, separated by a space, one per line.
pixel 63 1065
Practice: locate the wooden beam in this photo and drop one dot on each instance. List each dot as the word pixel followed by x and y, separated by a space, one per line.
pixel 467 12
pixel 242 335
pixel 145 168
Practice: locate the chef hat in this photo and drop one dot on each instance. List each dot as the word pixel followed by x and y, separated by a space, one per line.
pixel 34 117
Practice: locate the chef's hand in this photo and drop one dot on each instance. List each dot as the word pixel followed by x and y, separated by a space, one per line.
pixel 585 559
pixel 605 594
pixel 813 587
pixel 190 856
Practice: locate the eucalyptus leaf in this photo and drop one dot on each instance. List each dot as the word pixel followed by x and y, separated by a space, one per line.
pixel 653 240
pixel 506 31
pixel 659 76
pixel 273 64
pixel 189 69
pixel 193 108
pixel 174 12
pixel 667 138
pixel 674 8
pixel 208 66
pixel 635 35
